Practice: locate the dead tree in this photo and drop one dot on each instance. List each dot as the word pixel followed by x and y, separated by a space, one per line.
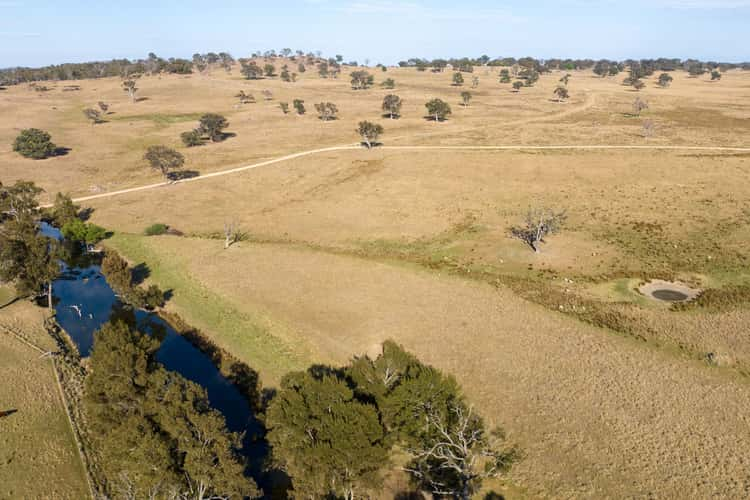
pixel 231 234
pixel 460 455
pixel 639 105
pixel 129 86
pixel 649 129
pixel 539 223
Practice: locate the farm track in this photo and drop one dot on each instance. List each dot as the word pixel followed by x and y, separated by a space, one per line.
pixel 350 147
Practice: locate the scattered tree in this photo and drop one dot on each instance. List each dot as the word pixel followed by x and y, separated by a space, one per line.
pixel 565 79
pixel 269 70
pixel 93 115
pixel 212 125
pixel 539 223
pixel 715 75
pixel 301 68
pixel 665 80
pixel 392 105
pixel 34 143
pixel 465 97
pixel 517 85
pixel 458 79
pixel 636 83
pixel 104 107
pixel 561 93
pixel 474 82
pixel 164 159
pixel 370 132
pixel 361 79
pixel 389 83
pixel 129 86
pixel 245 98
pixel 299 106
pixel 285 75
pixel 639 105
pixel 438 109
pixel 284 107
pixel 326 111
pixel 191 138
pixel 267 95
pixel 323 69
pixel 251 70
pixel 504 76
pixel 648 129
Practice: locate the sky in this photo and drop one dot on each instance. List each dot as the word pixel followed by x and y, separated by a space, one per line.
pixel 40 32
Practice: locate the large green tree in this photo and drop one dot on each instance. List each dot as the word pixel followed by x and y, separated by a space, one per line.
pixel 165 160
pixel 424 411
pixel 154 430
pixel 212 125
pixel 329 441
pixel 27 258
pixel 438 109
pixel 392 105
pixel 35 144
pixel 361 79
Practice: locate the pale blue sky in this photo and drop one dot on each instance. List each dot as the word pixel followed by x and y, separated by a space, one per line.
pixel 40 32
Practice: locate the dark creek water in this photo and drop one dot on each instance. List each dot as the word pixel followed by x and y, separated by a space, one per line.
pixel 84 302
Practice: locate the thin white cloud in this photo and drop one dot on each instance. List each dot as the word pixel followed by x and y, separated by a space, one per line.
pixel 12 34
pixel 669 4
pixel 704 4
pixel 420 11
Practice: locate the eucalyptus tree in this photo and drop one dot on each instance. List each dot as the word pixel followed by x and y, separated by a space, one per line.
pixel 438 109
pixel 392 105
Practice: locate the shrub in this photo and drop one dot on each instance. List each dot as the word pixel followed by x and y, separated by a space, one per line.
pixel 77 230
pixel 191 138
pixel 156 229
pixel 152 297
pixel 34 143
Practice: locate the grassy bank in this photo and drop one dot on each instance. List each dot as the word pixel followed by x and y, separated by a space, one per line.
pixel 251 338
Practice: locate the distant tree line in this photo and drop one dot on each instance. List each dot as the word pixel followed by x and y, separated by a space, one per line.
pixel 467 64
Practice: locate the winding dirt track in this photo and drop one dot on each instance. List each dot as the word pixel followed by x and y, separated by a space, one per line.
pixel 411 148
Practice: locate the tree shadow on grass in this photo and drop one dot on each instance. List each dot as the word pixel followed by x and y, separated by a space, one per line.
pixel 493 496
pixel 431 118
pixel 373 144
pixel 408 495
pixel 85 213
pixel 182 175
pixel 61 151
pixel 140 273
pixel 141 99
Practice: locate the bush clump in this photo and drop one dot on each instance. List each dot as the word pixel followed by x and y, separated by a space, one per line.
pixel 34 143
pixel 156 229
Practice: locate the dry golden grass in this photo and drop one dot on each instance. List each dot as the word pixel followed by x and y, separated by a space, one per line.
pixel 38 454
pixel 108 156
pixel 340 243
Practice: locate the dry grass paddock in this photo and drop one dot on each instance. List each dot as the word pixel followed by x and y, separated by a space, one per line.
pixel 610 394
pixel 38 454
